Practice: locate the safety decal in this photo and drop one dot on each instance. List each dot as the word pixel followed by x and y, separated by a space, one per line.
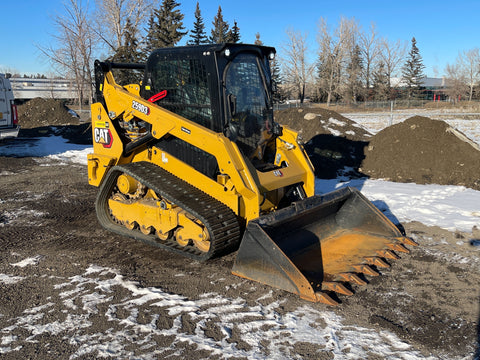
pixel 103 136
pixel 277 173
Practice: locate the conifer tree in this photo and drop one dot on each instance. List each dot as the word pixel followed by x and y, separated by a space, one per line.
pixel 354 87
pixel 220 29
pixel 381 83
pixel 234 33
pixel 198 35
pixel 412 70
pixel 149 38
pixel 127 53
pixel 277 81
pixel 165 26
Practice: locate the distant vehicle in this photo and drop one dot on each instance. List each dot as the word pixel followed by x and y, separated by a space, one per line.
pixel 8 110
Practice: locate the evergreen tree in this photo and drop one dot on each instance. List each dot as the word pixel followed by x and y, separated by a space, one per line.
pixel 127 53
pixel 198 35
pixel 354 86
pixel 149 38
pixel 328 77
pixel 165 26
pixel 412 70
pixel 381 83
pixel 277 81
pixel 234 33
pixel 220 29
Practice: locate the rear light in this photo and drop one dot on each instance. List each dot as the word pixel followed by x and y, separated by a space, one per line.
pixel 14 114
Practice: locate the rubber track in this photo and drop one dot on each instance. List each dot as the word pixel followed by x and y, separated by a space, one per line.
pixel 221 222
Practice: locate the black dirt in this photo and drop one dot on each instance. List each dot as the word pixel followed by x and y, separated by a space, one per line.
pixel 334 143
pixel 423 151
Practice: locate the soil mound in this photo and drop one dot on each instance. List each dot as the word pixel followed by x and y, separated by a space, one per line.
pixel 423 151
pixel 40 112
pixel 334 143
pixel 317 121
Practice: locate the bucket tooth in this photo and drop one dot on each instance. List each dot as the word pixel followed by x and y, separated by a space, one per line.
pixel 352 278
pixel 324 298
pixel 336 287
pixel 365 269
pixel 375 260
pixel 406 240
pixel 388 254
pixel 398 247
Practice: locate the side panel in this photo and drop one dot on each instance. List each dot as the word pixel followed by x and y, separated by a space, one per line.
pixel 7 127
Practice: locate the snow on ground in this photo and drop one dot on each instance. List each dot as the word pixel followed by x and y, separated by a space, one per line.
pixel 447 206
pixel 450 207
pixel 55 147
pixel 83 295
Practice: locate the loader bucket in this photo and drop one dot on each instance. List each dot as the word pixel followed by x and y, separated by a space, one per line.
pixel 318 244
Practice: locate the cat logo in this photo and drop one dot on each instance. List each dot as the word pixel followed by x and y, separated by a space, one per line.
pixel 103 136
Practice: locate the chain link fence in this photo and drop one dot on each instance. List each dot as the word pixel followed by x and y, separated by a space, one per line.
pixel 381 105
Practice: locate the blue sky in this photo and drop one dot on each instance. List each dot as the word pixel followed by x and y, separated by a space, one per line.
pixel 442 28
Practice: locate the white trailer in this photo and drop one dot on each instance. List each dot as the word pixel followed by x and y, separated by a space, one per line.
pixel 8 110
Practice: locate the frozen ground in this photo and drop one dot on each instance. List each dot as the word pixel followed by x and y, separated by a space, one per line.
pixel 131 313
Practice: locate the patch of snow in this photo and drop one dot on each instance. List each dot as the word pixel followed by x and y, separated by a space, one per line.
pixel 28 261
pixel 20 216
pixel 10 279
pixel 42 146
pixel 337 122
pixel 73 156
pixel 334 132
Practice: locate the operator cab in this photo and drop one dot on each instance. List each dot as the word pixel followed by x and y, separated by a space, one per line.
pixel 225 88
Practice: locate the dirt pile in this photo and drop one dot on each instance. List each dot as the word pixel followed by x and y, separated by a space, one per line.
pixel 334 143
pixel 47 117
pixel 310 122
pixel 423 151
pixel 40 112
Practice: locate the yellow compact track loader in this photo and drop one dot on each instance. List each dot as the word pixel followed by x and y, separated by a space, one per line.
pixel 190 159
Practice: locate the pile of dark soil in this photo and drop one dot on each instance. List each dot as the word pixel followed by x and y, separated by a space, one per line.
pixel 47 117
pixel 334 143
pixel 310 122
pixel 40 112
pixel 423 151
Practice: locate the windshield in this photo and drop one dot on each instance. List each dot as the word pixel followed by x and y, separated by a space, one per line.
pixel 247 85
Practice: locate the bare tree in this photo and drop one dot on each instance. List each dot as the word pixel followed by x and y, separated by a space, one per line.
pixel 463 75
pixel 456 81
pixel 470 62
pixel 72 53
pixel 392 55
pixel 334 50
pixel 298 70
pixel 369 46
pixel 111 19
pixel 9 71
